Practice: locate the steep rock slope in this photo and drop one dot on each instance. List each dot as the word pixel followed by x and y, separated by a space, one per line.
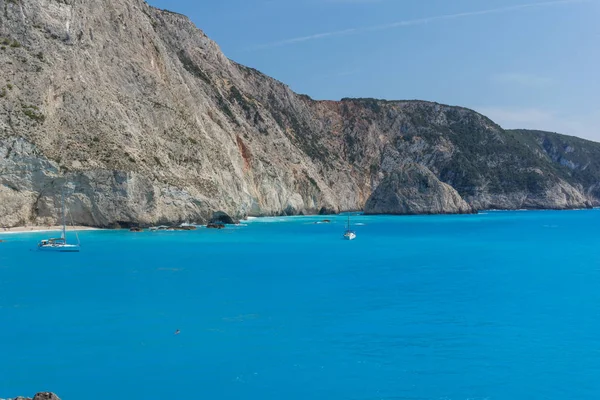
pixel 139 118
pixel 413 189
pixel 576 160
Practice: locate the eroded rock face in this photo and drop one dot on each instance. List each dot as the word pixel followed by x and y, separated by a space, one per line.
pixel 223 218
pixel 413 189
pixel 141 120
pixel 33 186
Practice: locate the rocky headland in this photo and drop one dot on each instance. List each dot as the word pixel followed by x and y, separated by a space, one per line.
pixel 143 121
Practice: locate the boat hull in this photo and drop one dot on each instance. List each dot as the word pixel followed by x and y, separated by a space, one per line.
pixel 349 236
pixel 60 249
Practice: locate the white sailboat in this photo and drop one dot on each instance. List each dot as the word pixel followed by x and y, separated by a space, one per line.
pixel 349 234
pixel 60 244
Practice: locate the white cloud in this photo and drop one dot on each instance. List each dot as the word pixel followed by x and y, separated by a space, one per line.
pixel 586 126
pixel 413 22
pixel 309 37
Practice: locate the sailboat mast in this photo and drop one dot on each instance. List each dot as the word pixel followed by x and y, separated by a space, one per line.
pixel 64 234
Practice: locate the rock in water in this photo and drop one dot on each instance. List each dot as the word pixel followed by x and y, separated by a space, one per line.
pixel 415 190
pixel 45 396
pixel 40 396
pixel 213 225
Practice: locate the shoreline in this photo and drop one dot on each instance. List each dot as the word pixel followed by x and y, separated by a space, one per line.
pixel 41 229
pixel 58 228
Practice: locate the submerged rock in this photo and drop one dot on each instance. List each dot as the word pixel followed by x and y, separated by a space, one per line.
pixel 215 226
pixel 414 189
pixel 182 228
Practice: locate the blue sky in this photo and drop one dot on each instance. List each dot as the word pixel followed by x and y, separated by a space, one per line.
pixel 524 63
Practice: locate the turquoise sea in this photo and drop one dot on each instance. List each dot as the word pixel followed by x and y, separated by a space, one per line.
pixel 500 305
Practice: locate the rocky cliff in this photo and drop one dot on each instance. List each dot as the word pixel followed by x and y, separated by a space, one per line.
pixel 139 118
pixel 414 189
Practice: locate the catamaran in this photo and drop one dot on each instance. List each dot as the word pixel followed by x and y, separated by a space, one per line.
pixel 349 234
pixel 60 244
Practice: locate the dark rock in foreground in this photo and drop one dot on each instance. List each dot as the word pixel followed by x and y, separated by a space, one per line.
pixel 46 396
pixel 41 396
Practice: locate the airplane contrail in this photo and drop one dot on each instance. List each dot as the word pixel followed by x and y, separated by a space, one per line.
pixel 412 22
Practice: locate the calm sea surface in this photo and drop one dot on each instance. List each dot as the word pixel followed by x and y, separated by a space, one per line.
pixel 501 305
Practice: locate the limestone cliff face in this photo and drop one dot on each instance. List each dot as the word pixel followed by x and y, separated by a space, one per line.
pixel 414 189
pixel 139 118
